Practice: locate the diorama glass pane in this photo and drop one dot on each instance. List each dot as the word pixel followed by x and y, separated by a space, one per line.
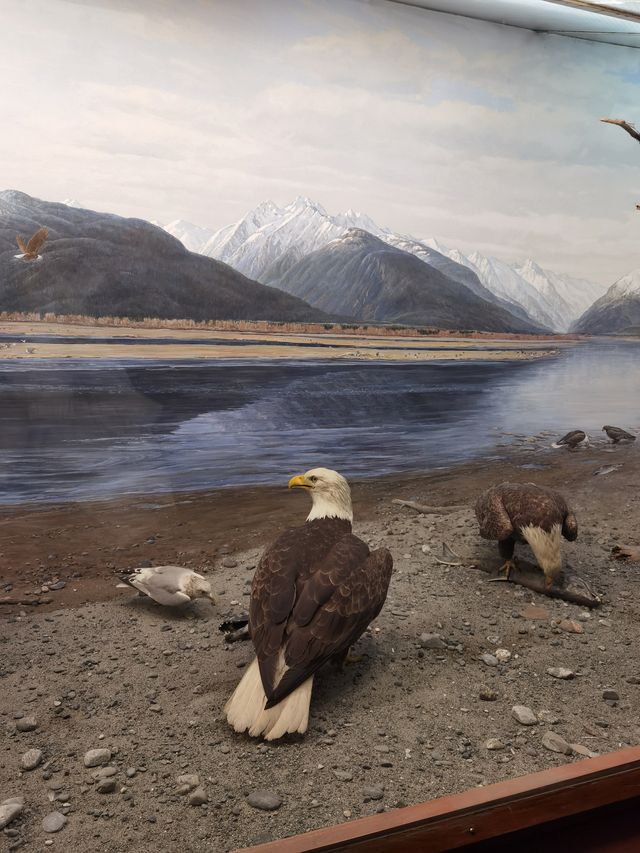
pixel 314 317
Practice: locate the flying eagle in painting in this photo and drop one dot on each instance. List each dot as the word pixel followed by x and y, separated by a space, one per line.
pixel 30 250
pixel 573 439
pixel 524 512
pixel 617 434
pixel 314 592
pixel 168 585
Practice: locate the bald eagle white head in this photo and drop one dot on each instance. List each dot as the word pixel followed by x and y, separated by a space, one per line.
pixel 329 491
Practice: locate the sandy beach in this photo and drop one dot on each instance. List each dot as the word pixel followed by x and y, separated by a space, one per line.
pixel 420 716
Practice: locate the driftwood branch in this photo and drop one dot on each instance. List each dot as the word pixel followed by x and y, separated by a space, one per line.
pixel 427 510
pixel 28 602
pixel 574 589
pixel 625 125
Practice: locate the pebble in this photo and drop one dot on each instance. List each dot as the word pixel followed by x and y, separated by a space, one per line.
pixel 106 786
pixel 343 775
pixel 488 694
pixel 57 585
pixel 633 679
pixel 611 695
pixel 580 749
pixel 10 809
pixel 560 672
pixel 489 660
pixel 188 782
pixel 556 743
pixel 432 641
pixel 95 757
pixel 267 801
pixel 31 759
pixel 494 743
pixel 373 792
pixel 503 655
pixel 524 715
pixel 27 724
pixel 570 626
pixel 53 822
pixel 229 563
pixel 198 797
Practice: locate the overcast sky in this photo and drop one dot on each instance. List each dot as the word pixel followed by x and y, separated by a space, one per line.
pixel 482 136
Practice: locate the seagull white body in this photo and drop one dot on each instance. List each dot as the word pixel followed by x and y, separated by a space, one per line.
pixel 169 585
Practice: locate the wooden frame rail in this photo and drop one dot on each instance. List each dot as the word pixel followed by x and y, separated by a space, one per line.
pixel 471 818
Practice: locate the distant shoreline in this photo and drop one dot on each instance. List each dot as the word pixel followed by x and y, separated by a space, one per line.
pixel 281 345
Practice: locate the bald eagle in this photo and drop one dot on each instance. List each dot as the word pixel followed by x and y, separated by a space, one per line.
pixel 31 249
pixel 572 439
pixel 524 512
pixel 617 434
pixel 314 592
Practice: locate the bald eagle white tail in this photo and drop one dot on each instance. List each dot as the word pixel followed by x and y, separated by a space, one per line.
pixel 546 548
pixel 246 711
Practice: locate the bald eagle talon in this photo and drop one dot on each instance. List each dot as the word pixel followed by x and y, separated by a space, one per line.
pixel 507 567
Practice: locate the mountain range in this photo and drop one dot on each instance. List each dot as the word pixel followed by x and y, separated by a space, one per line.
pixel 618 309
pixel 270 240
pixel 100 264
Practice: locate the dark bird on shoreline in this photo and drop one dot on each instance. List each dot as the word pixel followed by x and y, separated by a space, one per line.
pixel 315 591
pixel 31 248
pixel 617 434
pixel 573 439
pixel 524 512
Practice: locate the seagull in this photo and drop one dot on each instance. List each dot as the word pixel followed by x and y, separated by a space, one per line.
pixel 168 585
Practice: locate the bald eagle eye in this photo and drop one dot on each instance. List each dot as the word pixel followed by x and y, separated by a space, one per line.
pixel 313 479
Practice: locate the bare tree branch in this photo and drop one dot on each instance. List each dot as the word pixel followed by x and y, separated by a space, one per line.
pixel 625 125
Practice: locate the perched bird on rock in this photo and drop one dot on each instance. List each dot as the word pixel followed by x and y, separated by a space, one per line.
pixel 168 585
pixel 314 592
pixel 524 512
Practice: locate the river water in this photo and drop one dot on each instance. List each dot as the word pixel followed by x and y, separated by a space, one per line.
pixel 91 429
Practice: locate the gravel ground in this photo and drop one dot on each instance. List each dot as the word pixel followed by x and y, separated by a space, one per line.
pixel 429 710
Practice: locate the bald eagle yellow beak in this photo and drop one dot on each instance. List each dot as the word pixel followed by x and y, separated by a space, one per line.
pixel 300 482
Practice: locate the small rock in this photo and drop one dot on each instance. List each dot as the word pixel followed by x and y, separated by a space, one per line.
pixel 229 563
pixel 267 801
pixel 524 715
pixel 106 786
pixel 489 660
pixel 488 694
pixel 579 749
pixel 612 695
pixel 57 585
pixel 560 672
pixel 570 626
pixel 555 743
pixel 494 743
pixel 188 782
pixel 374 792
pixel 503 655
pixel 31 759
pixel 343 775
pixel 104 772
pixel 10 809
pixel 53 822
pixel 95 757
pixel 198 797
pixel 27 724
pixel 432 641
pixel 633 679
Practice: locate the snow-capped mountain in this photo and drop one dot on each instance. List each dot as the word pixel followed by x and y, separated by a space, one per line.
pixel 270 240
pixel 616 310
pixel 72 202
pixel 193 237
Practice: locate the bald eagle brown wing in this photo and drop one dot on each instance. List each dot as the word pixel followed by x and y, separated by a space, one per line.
pixel 306 610
pixel 21 244
pixel 492 516
pixel 523 505
pixel 37 240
